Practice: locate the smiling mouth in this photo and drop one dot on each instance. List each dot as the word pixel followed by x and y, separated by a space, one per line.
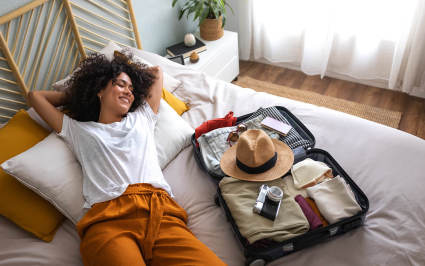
pixel 124 99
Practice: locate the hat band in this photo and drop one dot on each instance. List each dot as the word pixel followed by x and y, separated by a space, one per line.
pixel 259 169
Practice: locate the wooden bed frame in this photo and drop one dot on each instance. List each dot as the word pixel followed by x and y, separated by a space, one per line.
pixel 43 41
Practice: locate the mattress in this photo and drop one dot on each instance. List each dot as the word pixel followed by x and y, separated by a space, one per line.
pixel 387 164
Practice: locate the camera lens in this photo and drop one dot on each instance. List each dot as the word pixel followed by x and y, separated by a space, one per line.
pixel 274 193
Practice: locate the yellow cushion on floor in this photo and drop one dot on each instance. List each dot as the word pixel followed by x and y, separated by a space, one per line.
pixel 179 106
pixel 18 203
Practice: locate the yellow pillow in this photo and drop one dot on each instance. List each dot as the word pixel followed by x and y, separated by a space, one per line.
pixel 178 106
pixel 18 203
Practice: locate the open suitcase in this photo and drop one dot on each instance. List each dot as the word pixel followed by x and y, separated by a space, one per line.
pixel 260 254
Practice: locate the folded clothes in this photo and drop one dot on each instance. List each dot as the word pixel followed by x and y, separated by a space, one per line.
pixel 335 199
pixel 290 189
pixel 309 172
pixel 207 126
pixel 312 217
pixel 214 143
pixel 293 139
pixel 316 211
pixel 240 197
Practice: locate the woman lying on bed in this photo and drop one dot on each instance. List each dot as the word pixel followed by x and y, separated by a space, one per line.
pixel 110 116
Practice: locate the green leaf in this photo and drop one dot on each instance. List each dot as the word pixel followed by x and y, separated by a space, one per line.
pixel 216 13
pixel 221 2
pixel 181 13
pixel 203 16
pixel 202 9
pixel 198 10
pixel 187 4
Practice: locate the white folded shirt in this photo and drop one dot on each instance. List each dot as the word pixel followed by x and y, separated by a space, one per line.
pixel 335 199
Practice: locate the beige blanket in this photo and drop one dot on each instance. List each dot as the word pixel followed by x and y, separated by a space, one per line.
pixel 240 197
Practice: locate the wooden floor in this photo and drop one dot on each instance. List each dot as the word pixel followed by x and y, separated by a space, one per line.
pixel 412 108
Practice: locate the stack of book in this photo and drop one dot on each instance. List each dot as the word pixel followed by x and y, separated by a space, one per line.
pixel 185 51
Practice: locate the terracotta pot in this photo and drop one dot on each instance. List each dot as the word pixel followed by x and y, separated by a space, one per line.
pixel 211 29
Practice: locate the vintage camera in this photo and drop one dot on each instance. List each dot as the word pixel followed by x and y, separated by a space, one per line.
pixel 268 201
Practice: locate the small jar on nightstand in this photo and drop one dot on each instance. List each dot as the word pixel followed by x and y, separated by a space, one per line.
pixel 220 59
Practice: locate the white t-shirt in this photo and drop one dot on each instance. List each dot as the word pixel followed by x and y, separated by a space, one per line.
pixel 113 156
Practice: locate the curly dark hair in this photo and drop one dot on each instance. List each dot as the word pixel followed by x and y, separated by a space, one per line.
pixel 93 75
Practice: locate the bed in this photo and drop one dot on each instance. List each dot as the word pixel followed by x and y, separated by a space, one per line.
pixel 387 164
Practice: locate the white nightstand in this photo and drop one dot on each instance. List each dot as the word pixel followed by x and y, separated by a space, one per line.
pixel 221 59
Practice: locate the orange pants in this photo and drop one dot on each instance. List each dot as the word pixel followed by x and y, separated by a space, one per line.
pixel 142 226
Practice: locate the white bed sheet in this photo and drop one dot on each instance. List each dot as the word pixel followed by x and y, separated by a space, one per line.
pixel 387 164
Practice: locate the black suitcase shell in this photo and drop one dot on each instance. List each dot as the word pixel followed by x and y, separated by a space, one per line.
pixel 260 254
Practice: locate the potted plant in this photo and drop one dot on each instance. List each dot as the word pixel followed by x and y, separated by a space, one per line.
pixel 210 13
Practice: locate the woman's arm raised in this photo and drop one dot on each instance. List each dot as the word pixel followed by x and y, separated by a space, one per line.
pixel 155 92
pixel 45 103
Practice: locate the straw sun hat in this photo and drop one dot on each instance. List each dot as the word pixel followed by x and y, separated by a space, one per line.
pixel 257 157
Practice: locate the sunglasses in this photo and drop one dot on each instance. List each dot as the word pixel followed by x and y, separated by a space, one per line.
pixel 234 135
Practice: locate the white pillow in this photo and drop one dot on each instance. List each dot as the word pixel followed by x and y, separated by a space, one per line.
pixel 36 117
pixel 51 170
pixel 170 83
pixel 172 134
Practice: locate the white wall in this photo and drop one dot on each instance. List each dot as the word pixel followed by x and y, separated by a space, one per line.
pixel 158 24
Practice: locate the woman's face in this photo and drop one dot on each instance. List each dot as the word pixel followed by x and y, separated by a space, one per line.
pixel 117 96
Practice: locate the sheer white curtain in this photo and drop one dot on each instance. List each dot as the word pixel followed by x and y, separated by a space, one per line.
pixel 363 39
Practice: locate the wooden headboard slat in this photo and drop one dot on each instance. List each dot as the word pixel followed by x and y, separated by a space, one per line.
pixel 105 28
pixel 25 37
pixel 91 49
pixel 32 40
pixel 93 41
pixel 9 81
pixel 6 69
pixel 65 66
pixel 12 65
pixel 118 6
pixel 12 101
pixel 74 28
pixel 100 36
pixel 53 58
pixel 134 24
pixel 9 91
pixel 60 60
pixel 46 43
pixel 99 16
pixel 109 11
pixel 9 109
pixel 18 31
pixel 22 10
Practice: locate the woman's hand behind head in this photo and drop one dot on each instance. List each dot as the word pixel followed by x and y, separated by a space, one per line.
pixel 155 91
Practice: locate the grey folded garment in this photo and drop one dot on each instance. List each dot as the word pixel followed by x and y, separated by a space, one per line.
pixel 240 197
pixel 214 143
pixel 293 139
pixel 335 199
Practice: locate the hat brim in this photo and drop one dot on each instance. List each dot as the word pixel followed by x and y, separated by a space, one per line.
pixel 285 160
